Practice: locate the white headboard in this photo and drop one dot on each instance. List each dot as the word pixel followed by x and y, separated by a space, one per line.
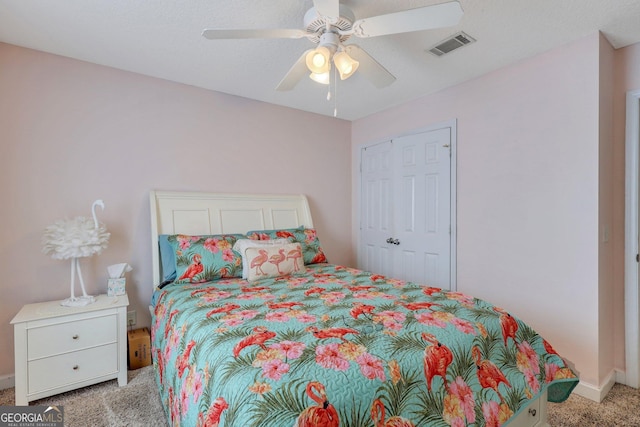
pixel 174 212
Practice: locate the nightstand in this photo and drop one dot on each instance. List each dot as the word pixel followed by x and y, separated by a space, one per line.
pixel 58 348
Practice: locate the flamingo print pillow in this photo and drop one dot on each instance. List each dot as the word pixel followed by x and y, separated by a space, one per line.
pixel 274 261
pixel 205 258
pixel 242 244
pixel 312 252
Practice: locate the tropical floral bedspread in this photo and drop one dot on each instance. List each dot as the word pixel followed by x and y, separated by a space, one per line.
pixel 343 347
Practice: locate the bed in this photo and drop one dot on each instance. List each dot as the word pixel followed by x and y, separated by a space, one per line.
pixel 302 342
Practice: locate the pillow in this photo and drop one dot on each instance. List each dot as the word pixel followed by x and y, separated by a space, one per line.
pixel 205 258
pixel 311 250
pixel 242 244
pixel 167 259
pixel 274 261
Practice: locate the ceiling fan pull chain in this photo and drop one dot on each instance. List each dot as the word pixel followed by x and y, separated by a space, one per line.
pixel 335 92
pixel 329 87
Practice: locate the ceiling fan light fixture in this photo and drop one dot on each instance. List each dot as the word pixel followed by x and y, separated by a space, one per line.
pixel 318 60
pixel 330 24
pixel 345 64
pixel 322 78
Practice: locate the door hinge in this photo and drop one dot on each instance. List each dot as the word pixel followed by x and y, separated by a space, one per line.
pixel 637 257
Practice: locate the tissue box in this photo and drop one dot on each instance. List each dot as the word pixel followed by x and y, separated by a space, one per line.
pixel 116 286
pixel 139 341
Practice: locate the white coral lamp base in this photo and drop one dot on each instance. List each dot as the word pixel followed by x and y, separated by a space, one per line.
pixel 74 301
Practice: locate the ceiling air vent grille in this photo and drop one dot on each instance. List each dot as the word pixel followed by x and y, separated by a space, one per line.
pixel 452 43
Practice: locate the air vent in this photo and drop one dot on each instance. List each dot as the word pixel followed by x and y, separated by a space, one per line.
pixel 452 43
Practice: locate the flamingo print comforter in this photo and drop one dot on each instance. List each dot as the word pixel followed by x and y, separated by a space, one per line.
pixel 342 347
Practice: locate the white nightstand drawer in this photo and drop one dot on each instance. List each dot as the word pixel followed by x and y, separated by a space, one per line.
pixel 70 368
pixel 530 417
pixel 71 336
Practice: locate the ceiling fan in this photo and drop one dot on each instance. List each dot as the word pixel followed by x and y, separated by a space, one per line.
pixel 329 24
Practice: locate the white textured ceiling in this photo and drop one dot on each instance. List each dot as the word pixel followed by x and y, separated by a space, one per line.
pixel 162 38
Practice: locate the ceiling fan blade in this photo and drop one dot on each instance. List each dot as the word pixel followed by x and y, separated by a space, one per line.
pixel 328 8
pixel 369 67
pixel 422 18
pixel 254 34
pixel 295 73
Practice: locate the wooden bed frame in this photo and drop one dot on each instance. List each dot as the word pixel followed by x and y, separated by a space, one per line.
pixel 195 213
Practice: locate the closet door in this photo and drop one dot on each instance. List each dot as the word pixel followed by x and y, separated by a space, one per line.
pixel 376 217
pixel 422 201
pixel 406 202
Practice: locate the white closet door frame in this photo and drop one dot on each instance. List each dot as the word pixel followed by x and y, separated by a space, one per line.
pixel 452 124
pixel 631 250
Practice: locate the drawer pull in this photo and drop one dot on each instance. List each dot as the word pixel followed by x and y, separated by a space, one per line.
pixel 76 367
pixel 532 412
pixel 75 337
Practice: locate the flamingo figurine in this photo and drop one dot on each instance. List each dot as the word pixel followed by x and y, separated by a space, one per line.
pixel 321 415
pixel 378 417
pixel 76 238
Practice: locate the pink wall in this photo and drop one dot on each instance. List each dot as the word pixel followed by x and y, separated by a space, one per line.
pixel 532 204
pixel 73 132
pixel 527 190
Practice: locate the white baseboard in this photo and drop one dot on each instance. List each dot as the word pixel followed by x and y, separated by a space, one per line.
pixel 7 381
pixel 595 393
pixel 621 377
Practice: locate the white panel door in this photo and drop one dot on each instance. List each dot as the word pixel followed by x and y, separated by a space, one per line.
pixel 422 196
pixel 376 218
pixel 405 221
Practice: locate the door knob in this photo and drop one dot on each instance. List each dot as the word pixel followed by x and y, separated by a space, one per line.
pixel 393 241
pixel 390 240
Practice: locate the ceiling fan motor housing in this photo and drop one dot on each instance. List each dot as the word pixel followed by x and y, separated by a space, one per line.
pixel 330 40
pixel 317 24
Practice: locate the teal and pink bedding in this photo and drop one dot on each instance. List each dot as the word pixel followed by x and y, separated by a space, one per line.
pixel 342 347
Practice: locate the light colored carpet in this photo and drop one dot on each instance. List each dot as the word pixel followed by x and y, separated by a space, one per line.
pixel 621 408
pixel 138 404
pixel 104 405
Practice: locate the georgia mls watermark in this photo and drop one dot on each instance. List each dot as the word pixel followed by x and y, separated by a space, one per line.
pixel 31 416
